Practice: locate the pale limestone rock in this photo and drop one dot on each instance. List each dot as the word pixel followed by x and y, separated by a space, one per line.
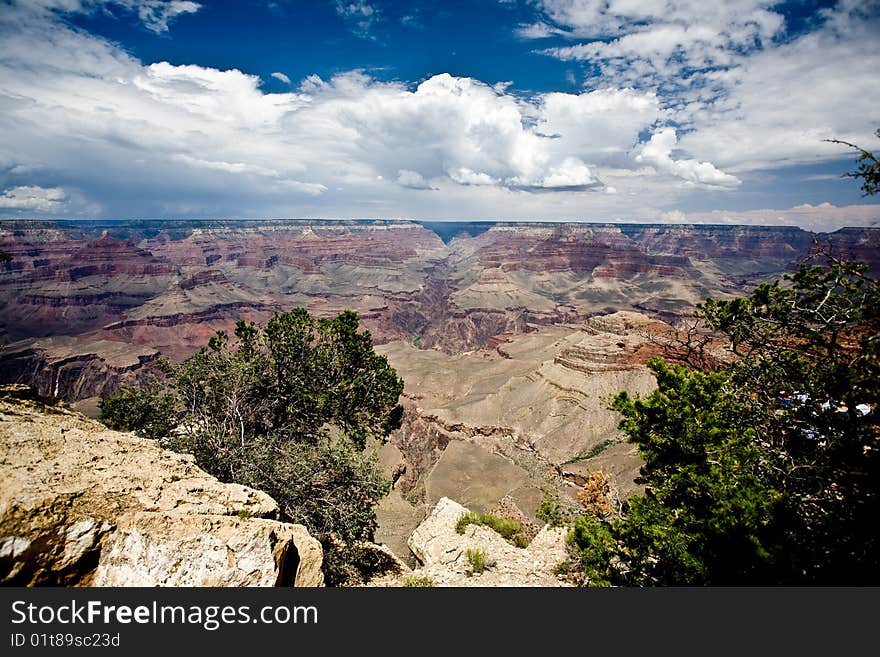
pixel 169 549
pixel 77 499
pixel 81 538
pixel 443 552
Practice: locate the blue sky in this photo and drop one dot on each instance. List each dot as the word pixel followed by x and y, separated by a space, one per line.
pixel 612 110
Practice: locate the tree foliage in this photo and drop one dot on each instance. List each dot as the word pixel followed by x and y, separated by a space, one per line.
pixel 868 170
pixel 766 470
pixel 761 466
pixel 286 408
pixel 149 413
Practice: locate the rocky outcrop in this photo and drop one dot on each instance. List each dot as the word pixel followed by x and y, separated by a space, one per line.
pixel 163 549
pixel 70 369
pixel 442 552
pixel 82 505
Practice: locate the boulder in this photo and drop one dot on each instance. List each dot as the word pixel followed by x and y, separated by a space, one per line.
pixel 165 549
pixel 443 552
pixel 83 505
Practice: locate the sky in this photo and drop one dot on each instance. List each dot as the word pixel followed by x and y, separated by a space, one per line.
pixel 555 110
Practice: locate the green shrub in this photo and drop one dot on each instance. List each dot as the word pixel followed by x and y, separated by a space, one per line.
pixel 511 530
pixel 477 560
pixel 551 511
pixel 418 581
pixel 146 412
pixel 467 518
pixel 563 568
pixel 593 452
pixel 755 473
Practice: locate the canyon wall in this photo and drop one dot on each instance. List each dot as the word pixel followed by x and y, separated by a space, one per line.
pixel 84 304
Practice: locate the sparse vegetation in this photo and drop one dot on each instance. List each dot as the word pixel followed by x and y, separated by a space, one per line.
pixel 286 409
pixel 592 452
pixel 551 510
pixel 244 514
pixel 477 560
pixel 418 581
pixel 599 496
pixel 868 170
pixel 563 568
pixel 511 530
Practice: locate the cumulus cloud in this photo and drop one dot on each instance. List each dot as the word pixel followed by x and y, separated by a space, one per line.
pixel 280 76
pixel 82 114
pixel 657 152
pixel 76 104
pixel 29 197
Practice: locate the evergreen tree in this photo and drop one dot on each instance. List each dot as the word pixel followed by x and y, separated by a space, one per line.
pixel 288 409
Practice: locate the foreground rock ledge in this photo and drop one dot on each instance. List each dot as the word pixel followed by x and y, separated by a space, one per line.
pixel 442 553
pixel 81 505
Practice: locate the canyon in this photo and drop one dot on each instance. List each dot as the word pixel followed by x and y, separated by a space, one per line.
pixel 511 338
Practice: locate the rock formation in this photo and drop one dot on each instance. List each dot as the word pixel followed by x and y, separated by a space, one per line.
pixel 442 552
pixel 81 505
pixel 169 285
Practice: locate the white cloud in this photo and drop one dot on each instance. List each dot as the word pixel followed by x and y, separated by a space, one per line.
pixel 280 76
pixel 229 167
pixel 657 152
pixel 412 179
pixel 79 113
pixel 662 44
pixel 778 105
pixel 539 30
pixel 33 198
pixel 468 132
pixel 571 174
pixel 823 217
pixel 610 18
pixel 465 176
pixel 75 104
pixel 741 96
pixel 359 14
pixel 156 15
